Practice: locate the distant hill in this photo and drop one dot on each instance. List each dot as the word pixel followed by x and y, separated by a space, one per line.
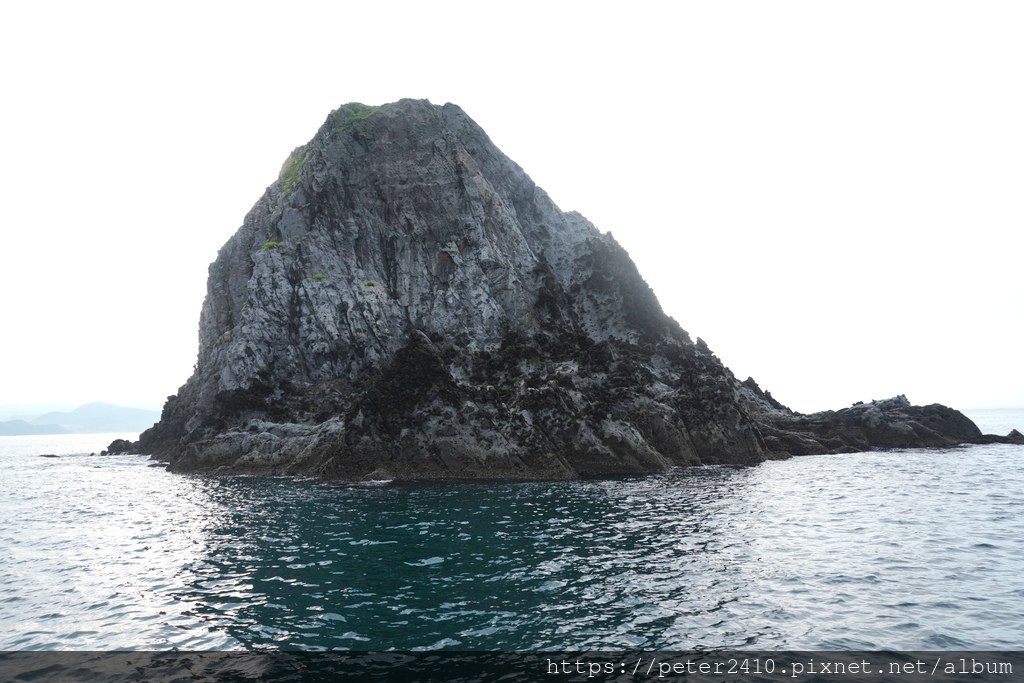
pixel 93 418
pixel 30 411
pixel 22 428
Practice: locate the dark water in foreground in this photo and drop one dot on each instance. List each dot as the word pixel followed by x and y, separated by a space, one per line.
pixel 918 550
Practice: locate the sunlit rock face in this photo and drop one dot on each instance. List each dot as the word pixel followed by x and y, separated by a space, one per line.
pixel 404 302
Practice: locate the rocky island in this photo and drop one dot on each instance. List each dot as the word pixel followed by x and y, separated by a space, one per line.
pixel 405 303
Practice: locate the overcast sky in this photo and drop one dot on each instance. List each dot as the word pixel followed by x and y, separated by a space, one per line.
pixel 830 194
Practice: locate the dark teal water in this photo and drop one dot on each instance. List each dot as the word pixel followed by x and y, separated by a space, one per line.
pixel 908 550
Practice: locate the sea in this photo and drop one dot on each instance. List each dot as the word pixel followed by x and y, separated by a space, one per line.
pixel 905 550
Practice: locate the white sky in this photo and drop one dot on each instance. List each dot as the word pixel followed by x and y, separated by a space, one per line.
pixel 829 194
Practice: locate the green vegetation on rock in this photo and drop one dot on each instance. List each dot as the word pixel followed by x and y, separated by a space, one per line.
pixel 348 114
pixel 273 245
pixel 291 170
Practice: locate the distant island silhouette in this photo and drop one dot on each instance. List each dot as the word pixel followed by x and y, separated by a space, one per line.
pixel 91 418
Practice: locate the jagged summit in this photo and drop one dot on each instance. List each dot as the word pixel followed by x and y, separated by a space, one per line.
pixel 405 302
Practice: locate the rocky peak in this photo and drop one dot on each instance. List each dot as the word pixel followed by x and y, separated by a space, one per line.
pixel 405 302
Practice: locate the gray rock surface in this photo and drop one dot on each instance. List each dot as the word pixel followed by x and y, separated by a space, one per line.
pixel 404 302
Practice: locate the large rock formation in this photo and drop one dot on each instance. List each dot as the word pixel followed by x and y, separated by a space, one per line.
pixel 404 302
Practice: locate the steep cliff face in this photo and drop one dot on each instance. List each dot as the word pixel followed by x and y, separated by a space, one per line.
pixel 405 302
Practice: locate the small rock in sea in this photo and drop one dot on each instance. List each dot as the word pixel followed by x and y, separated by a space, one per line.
pixel 49 455
pixel 118 447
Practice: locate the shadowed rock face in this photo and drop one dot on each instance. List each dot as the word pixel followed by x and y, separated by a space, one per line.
pixel 404 302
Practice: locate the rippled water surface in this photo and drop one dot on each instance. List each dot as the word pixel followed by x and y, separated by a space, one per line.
pixel 911 550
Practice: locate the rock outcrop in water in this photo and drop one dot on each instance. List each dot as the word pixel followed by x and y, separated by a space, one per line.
pixel 404 302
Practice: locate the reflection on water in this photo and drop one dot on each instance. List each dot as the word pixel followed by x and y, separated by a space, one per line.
pixel 918 550
pixel 95 549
